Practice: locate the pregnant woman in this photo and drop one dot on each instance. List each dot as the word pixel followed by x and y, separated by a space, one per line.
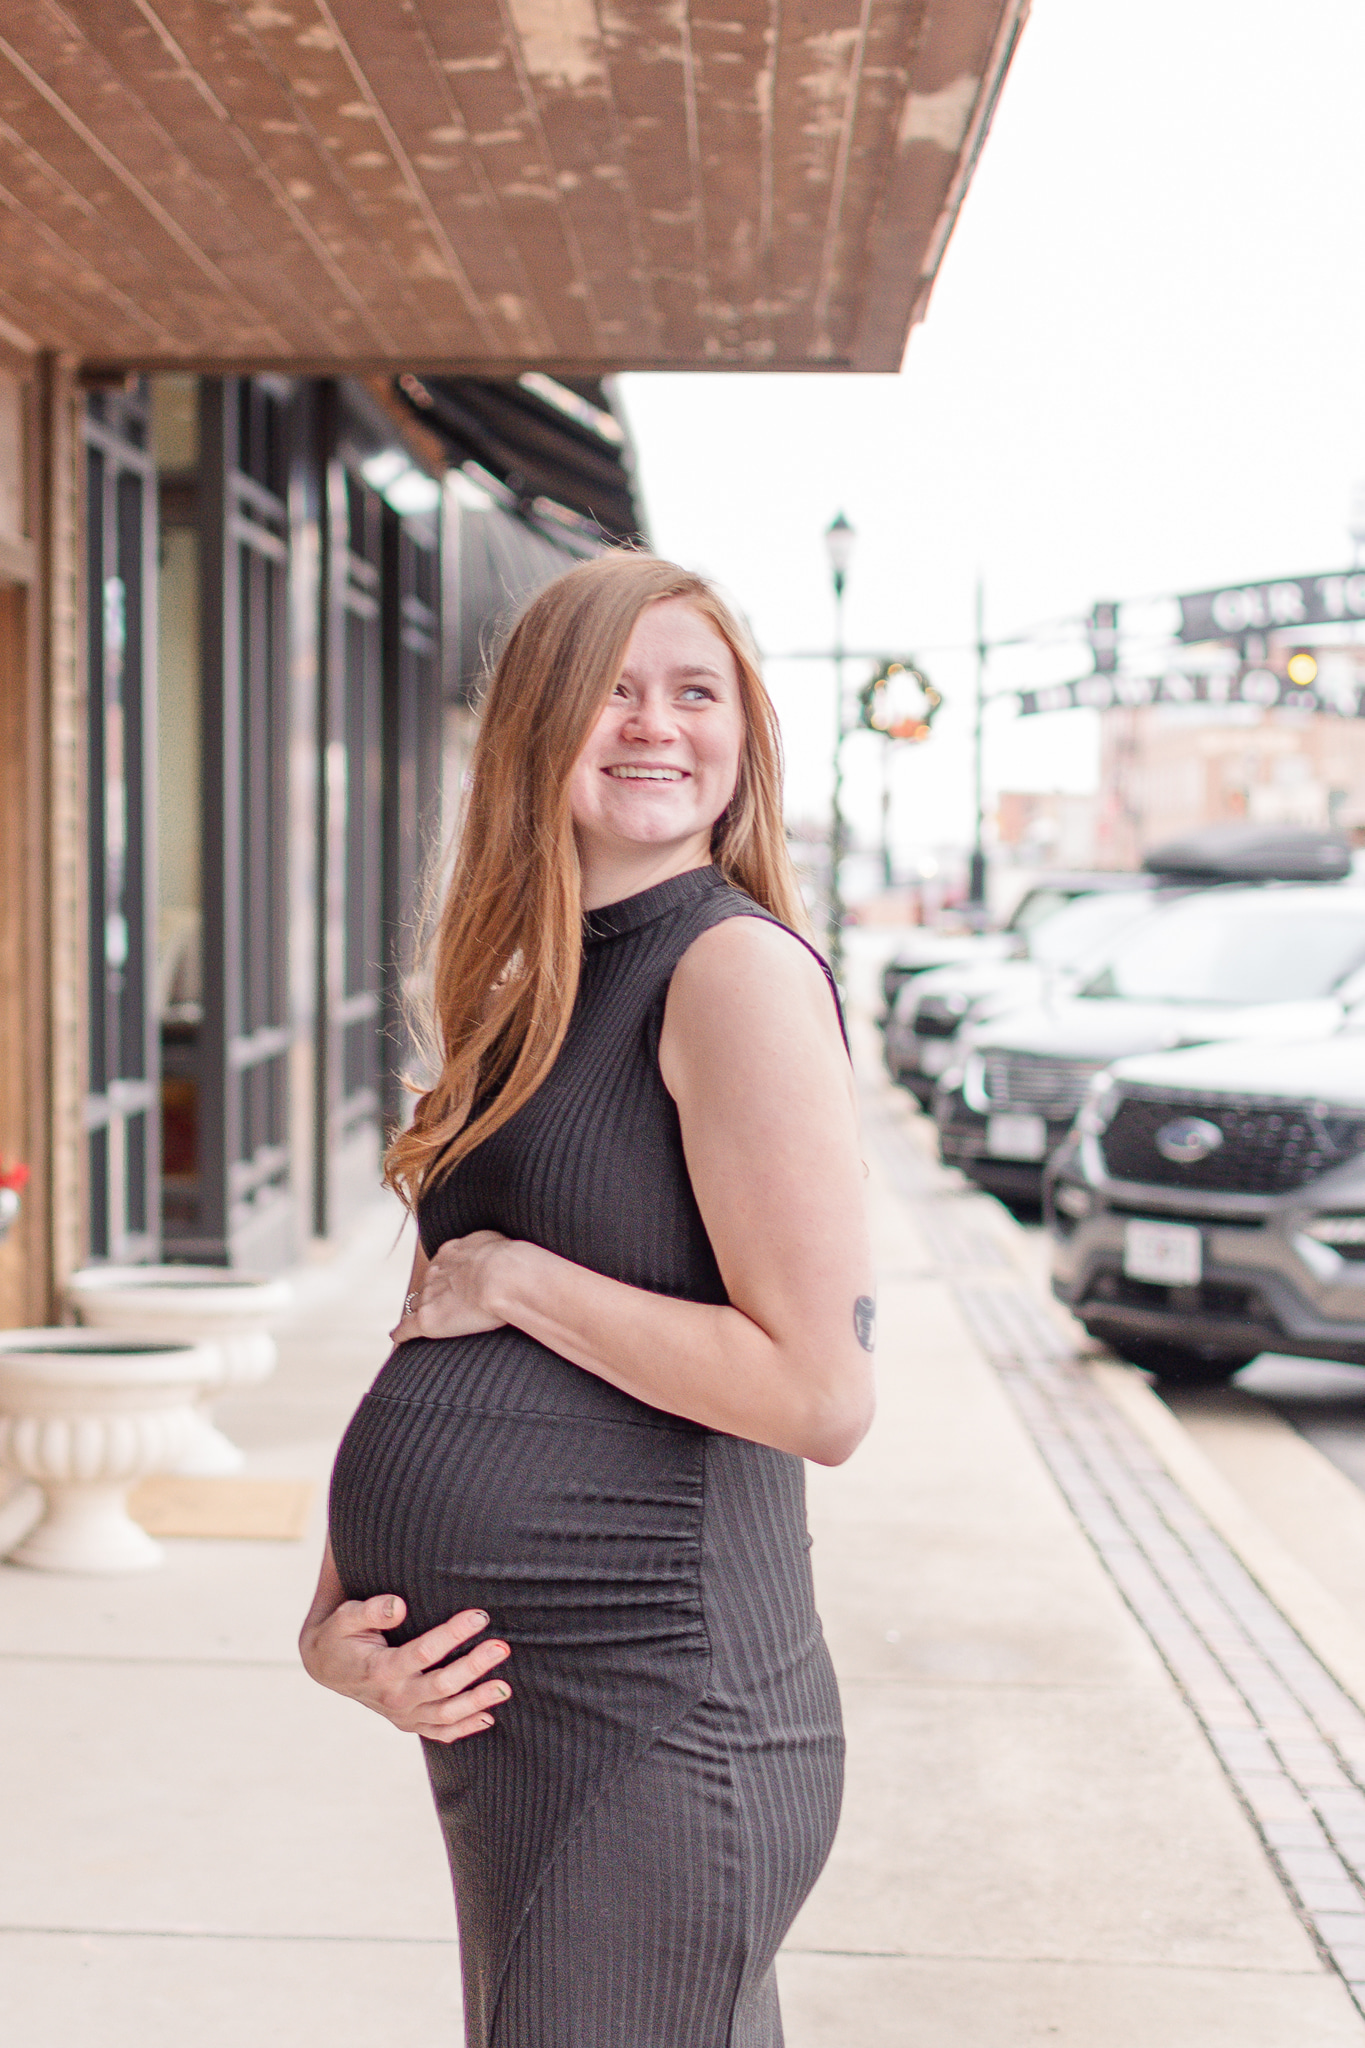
pixel 568 1540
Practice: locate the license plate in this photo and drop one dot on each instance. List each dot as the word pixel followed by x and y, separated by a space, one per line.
pixel 1016 1137
pixel 1169 1252
pixel 935 1055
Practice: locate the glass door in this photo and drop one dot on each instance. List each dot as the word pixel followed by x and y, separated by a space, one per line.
pixel 246 1206
pixel 350 1064
pixel 412 747
pixel 123 1102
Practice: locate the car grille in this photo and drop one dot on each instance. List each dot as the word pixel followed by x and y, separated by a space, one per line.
pixel 936 1019
pixel 1268 1148
pixel 1208 1298
pixel 1022 1080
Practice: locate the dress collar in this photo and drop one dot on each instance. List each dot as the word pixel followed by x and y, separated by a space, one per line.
pixel 612 919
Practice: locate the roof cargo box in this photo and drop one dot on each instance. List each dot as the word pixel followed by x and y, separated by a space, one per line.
pixel 1253 853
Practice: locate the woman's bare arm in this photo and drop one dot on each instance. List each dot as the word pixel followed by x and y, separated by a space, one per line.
pixel 752 1055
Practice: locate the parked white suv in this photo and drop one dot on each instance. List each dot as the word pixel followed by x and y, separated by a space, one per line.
pixel 929 1011
pixel 1271 962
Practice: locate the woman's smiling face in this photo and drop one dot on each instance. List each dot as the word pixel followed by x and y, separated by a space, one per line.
pixel 661 763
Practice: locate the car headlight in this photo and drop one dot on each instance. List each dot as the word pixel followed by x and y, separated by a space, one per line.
pixel 1098 1110
pixel 1345 1234
pixel 971 1078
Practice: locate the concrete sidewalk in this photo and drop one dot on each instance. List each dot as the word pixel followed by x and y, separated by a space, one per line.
pixel 1038 1842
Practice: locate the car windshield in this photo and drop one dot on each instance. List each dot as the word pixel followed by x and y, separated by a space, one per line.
pixel 1085 925
pixel 1244 949
pixel 1037 906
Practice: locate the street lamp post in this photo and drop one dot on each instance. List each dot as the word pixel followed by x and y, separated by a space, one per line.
pixel 839 539
pixel 976 884
pixel 1355 525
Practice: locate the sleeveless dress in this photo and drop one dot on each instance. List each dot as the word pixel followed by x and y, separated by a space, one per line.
pixel 631 1841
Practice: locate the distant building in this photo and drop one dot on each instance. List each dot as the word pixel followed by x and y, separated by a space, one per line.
pixel 1047 829
pixel 1166 769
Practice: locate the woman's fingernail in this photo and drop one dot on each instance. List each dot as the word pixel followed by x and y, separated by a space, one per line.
pixel 479 1617
pixel 390 1607
pixel 504 1692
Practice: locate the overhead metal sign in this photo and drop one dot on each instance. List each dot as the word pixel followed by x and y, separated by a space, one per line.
pixel 1288 601
pixel 1340 695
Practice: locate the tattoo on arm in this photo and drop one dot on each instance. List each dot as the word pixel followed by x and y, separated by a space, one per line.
pixel 865 1321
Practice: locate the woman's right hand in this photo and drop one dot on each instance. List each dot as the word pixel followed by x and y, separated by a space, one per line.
pixel 345 1650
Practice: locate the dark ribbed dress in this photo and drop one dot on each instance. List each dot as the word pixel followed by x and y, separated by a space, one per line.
pixel 632 1840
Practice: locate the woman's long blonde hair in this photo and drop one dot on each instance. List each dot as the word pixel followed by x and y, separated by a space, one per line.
pixel 508 943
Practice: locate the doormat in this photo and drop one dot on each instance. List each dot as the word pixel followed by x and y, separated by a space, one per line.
pixel 274 1509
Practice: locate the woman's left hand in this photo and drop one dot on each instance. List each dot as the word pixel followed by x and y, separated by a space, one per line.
pixel 450 1295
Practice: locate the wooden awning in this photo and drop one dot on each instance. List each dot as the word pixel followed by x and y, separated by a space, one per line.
pixel 485 186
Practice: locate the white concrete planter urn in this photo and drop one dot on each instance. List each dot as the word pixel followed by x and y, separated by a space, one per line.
pixel 236 1312
pixel 13 1181
pixel 85 1414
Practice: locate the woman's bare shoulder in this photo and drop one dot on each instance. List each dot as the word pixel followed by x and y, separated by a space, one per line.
pixel 749 976
pixel 744 949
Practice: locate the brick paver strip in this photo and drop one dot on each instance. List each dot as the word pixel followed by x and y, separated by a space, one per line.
pixel 1291 1741
pixel 1289 1738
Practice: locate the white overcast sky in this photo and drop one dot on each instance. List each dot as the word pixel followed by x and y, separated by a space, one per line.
pixel 1141 372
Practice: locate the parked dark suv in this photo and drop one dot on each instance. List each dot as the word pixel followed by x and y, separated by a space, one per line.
pixel 1210 1205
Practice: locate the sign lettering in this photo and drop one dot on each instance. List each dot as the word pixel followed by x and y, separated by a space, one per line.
pixel 1342 696
pixel 1266 607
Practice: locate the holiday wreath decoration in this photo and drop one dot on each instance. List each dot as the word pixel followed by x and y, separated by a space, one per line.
pixel 898 700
